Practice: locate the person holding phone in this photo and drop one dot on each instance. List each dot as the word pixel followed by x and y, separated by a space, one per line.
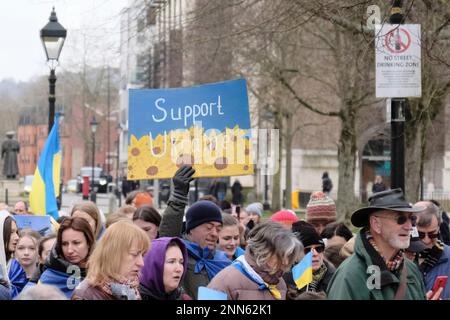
pixel 434 261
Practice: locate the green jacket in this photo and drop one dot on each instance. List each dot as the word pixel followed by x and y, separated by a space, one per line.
pixel 354 280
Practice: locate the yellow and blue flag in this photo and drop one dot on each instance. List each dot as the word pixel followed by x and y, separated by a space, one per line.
pixel 302 272
pixel 45 186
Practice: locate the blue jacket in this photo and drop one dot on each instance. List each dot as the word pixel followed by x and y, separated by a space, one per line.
pixel 442 268
pixel 17 277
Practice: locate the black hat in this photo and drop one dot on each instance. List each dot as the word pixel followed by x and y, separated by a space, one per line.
pixel 202 212
pixel 415 244
pixel 307 234
pixel 393 200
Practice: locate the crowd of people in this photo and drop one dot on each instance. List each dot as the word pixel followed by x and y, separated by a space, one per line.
pixel 137 253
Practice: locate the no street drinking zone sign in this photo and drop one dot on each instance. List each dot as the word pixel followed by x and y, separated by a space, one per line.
pixel 398 61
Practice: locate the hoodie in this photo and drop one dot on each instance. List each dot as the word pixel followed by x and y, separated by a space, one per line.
pixel 152 274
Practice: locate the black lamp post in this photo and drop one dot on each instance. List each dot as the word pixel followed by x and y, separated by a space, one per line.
pixel 399 109
pixel 52 36
pixel 59 199
pixel 94 126
pixel 118 194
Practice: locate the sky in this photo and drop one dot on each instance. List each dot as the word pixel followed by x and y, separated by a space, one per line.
pixel 95 23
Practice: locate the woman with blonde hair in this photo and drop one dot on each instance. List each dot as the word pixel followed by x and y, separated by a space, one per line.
pixel 257 275
pixel 230 236
pixel 25 260
pixel 115 264
pixel 90 212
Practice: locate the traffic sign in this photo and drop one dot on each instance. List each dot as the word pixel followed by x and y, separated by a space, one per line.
pixel 398 61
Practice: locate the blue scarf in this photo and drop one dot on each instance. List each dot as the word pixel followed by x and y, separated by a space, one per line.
pixel 239 252
pixel 17 277
pixel 213 266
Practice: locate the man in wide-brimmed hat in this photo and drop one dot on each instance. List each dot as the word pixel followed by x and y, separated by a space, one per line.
pixel 378 270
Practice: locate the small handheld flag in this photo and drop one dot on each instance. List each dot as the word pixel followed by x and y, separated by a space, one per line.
pixel 302 272
pixel 45 186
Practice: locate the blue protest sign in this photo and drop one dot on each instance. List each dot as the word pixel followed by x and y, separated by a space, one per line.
pixel 40 224
pixel 205 126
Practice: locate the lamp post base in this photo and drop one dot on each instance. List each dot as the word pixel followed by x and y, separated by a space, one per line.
pixel 93 197
pixel 266 206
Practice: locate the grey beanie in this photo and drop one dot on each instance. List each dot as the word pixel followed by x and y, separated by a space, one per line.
pixel 255 207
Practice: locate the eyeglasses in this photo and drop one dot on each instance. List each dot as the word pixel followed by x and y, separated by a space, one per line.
pixel 318 249
pixel 431 235
pixel 401 218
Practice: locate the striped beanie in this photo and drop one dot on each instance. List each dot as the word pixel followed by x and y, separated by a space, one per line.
pixel 320 207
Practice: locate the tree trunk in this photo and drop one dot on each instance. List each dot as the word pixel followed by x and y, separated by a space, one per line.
pixel 276 182
pixel 288 147
pixel 346 167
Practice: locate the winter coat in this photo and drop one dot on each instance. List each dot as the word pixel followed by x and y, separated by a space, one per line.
pixel 441 268
pixel 62 274
pixel 85 291
pixel 327 184
pixel 351 279
pixel 378 187
pixel 236 191
pixel 238 286
pixel 171 226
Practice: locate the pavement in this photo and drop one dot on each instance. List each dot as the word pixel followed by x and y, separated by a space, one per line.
pixel 106 202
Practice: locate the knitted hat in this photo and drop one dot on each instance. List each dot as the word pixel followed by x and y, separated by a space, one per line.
pixel 285 217
pixel 201 212
pixel 255 207
pixel 143 198
pixel 307 234
pixel 320 207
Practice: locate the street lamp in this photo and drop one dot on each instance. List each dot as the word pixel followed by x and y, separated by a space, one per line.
pixel 118 194
pixel 94 125
pixel 52 36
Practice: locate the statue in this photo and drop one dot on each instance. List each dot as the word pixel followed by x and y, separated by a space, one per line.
pixel 10 150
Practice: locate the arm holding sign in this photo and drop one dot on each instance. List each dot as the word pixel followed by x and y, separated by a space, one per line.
pixel 172 219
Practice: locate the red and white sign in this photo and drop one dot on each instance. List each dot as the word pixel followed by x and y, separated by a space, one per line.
pixel 398 61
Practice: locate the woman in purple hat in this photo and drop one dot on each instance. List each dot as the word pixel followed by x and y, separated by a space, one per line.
pixel 164 268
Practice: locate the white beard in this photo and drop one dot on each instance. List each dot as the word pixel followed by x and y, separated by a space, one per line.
pixel 397 243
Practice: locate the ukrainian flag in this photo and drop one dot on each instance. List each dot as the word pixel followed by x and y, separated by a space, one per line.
pixel 302 272
pixel 45 186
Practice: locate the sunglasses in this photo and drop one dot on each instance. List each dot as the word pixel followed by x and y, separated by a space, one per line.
pixel 431 235
pixel 319 249
pixel 401 218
